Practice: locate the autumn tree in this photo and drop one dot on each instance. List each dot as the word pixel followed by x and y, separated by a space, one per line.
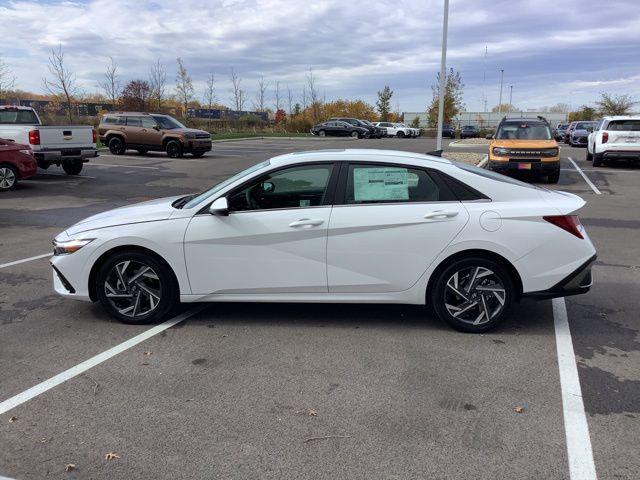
pixel 452 97
pixel 384 103
pixel 184 87
pixel 62 82
pixel 7 79
pixel 583 113
pixel 111 84
pixel 158 83
pixel 504 108
pixel 136 95
pixel 238 95
pixel 615 104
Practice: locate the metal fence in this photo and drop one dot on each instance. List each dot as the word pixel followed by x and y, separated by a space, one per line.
pixel 486 119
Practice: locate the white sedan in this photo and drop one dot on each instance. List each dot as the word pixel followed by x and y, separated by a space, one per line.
pixel 351 226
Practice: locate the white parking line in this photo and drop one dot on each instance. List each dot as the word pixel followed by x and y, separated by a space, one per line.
pixel 120 165
pixel 39 389
pixel 586 179
pixel 581 466
pixel 18 262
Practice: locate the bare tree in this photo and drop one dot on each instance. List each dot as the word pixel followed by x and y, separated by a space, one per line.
pixel 313 95
pixel 158 82
pixel 63 82
pixel 184 86
pixel 238 94
pixel 111 84
pixel 304 97
pixel 261 95
pixel 210 95
pixel 276 96
pixel 7 79
pixel 289 100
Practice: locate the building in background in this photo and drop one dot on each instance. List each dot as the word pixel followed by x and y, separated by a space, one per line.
pixel 486 119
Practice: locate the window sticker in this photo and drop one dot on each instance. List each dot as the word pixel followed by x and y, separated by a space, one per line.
pixel 376 184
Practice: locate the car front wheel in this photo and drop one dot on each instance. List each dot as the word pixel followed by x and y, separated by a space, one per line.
pixel 8 177
pixel 136 287
pixel 174 149
pixel 355 135
pixel 473 294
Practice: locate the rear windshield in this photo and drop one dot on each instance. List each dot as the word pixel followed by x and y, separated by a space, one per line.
pixel 624 125
pixel 18 117
pixel 585 125
pixel 523 131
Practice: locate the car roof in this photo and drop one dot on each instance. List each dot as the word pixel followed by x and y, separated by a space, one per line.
pixel 15 107
pixel 351 154
pixel 621 117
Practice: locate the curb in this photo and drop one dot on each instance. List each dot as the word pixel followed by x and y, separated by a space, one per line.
pixel 273 138
pixel 483 163
pixel 459 144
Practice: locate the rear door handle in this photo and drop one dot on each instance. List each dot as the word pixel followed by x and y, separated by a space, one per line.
pixel 439 215
pixel 306 222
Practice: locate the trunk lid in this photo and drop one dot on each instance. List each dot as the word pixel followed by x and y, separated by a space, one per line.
pixel 63 137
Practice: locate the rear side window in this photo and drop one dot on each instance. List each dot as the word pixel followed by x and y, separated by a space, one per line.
pixel 18 117
pixel 389 184
pixel 624 125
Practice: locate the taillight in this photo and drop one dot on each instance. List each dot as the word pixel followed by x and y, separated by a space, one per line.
pixel 34 137
pixel 569 223
pixel 605 137
pixel 94 135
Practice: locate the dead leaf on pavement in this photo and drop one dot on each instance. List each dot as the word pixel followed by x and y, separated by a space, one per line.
pixel 313 413
pixel 111 456
pixel 69 466
pixel 519 409
pixel 148 352
pixel 13 419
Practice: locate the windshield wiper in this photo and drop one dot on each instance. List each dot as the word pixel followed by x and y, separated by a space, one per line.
pixel 181 202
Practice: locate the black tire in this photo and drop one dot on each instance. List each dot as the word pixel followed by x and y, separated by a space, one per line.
pixel 174 149
pixel 589 157
pixel 72 167
pixel 322 133
pixel 142 151
pixel 400 134
pixel 355 135
pixel 441 294
pixel 167 288
pixel 597 160
pixel 117 146
pixel 197 154
pixel 8 178
pixel 554 177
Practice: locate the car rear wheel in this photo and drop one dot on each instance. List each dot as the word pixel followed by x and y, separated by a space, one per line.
pixel 597 160
pixel 400 134
pixel 322 133
pixel 136 288
pixel 72 167
pixel 8 177
pixel 473 294
pixel 589 157
pixel 355 135
pixel 173 149
pixel 116 146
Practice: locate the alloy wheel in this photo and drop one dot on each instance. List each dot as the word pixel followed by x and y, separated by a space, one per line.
pixel 7 178
pixel 475 295
pixel 133 288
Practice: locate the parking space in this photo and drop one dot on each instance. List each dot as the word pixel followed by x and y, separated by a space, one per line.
pixel 299 391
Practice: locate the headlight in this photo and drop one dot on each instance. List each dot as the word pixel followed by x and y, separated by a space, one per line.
pixel 501 152
pixel 69 246
pixel 27 152
pixel 550 152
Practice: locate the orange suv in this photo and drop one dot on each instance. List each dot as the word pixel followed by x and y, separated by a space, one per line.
pixel 525 144
pixel 151 132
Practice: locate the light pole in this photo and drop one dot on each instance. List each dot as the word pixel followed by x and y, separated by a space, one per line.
pixel 510 96
pixel 443 72
pixel 501 80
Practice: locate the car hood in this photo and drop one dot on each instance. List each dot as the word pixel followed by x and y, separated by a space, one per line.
pixel 188 130
pixel 524 143
pixel 151 211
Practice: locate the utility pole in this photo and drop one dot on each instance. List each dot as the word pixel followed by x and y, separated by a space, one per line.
pixel 510 97
pixel 443 72
pixel 501 80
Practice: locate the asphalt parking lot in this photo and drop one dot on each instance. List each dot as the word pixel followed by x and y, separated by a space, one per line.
pixel 300 391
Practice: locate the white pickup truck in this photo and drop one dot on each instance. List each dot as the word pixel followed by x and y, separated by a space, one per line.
pixel 68 146
pixel 614 138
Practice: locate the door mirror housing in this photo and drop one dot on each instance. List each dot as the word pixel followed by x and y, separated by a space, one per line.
pixel 156 127
pixel 219 207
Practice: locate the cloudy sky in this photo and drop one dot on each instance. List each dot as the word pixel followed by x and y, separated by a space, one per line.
pixel 551 50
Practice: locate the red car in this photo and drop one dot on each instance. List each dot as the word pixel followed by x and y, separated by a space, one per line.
pixel 16 163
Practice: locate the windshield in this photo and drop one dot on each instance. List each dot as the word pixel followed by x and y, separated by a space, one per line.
pixel 367 122
pixel 585 125
pixel 523 131
pixel 167 123
pixel 18 117
pixel 197 200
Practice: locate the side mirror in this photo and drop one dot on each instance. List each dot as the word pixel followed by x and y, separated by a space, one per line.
pixel 156 128
pixel 219 207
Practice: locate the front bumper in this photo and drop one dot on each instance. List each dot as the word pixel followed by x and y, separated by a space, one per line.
pixel 198 145
pixel 576 283
pixel 525 165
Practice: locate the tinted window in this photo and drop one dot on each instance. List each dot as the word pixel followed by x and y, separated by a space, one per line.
pixel 148 122
pixel 167 123
pixel 294 187
pixel 388 184
pixel 21 117
pixel 523 131
pixel 134 122
pixel 624 125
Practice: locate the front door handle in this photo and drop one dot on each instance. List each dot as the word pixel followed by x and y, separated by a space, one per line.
pixel 439 215
pixel 306 222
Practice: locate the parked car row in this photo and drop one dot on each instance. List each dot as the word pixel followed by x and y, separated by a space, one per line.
pixel 357 128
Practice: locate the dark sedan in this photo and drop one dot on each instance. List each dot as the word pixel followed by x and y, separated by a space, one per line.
pixel 448 130
pixel 338 128
pixel 468 131
pixel 580 133
pixel 373 131
pixel 559 131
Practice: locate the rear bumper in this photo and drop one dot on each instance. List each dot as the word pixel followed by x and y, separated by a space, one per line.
pixel 57 156
pixel 576 283
pixel 613 154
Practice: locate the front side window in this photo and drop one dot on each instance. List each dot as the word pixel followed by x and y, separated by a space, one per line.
pixel 295 187
pixel 389 184
pixel 167 123
pixel 148 122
